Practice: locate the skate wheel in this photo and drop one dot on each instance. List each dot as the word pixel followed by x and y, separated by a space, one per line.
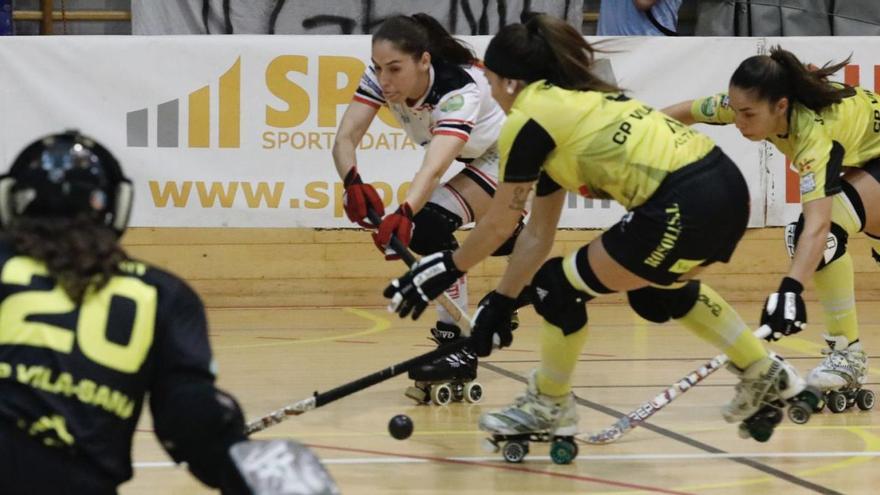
pixel 761 431
pixel 799 412
pixel 813 398
pixel 743 431
pixel 457 392
pixel 865 399
pixel 489 446
pixel 515 451
pixel 417 394
pixel 563 451
pixel 441 394
pixel 837 402
pixel 473 392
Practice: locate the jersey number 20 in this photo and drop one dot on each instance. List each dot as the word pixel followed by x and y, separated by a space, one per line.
pixel 18 328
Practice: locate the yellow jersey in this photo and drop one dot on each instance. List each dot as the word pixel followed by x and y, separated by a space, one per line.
pixel 601 145
pixel 846 134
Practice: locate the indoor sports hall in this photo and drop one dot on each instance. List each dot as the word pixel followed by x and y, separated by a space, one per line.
pixel 227 117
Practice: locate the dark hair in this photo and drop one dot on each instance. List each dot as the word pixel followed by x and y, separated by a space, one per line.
pixel 420 33
pixel 78 252
pixel 545 47
pixel 781 74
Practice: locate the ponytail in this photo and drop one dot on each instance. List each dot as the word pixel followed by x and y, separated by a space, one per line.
pixel 781 74
pixel 441 44
pixel 420 33
pixel 545 47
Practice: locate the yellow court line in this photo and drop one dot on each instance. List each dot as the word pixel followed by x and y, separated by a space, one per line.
pixel 379 325
pixel 871 443
pixel 807 347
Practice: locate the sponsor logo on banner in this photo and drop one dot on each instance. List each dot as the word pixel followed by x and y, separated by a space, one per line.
pixel 167 117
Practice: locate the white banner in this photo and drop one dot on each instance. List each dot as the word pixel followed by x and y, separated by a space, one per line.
pixel 783 191
pixel 236 131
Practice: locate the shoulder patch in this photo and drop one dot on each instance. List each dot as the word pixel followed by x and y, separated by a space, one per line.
pixel 368 81
pixel 707 108
pixel 452 104
pixel 808 183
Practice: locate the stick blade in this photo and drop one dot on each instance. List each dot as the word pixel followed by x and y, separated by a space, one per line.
pixel 281 467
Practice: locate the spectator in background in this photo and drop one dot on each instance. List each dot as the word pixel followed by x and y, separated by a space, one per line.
pixel 638 17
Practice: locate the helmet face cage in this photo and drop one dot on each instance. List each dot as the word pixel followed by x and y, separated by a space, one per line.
pixel 65 175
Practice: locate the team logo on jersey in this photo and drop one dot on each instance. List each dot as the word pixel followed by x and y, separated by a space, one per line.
pixel 707 108
pixel 452 104
pixel 808 183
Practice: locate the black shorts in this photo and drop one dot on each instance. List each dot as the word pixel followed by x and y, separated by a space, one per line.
pixel 873 168
pixel 27 467
pixel 695 218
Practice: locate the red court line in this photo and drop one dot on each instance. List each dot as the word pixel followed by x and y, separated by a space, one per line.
pixel 504 467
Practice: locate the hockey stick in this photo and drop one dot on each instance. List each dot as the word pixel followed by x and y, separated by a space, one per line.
pixel 321 399
pixel 455 311
pixel 642 413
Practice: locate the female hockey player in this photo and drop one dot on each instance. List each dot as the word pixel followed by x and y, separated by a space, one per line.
pixel 831 134
pixel 432 85
pixel 687 203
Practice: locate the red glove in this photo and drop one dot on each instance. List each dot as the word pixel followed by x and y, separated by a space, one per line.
pixel 400 225
pixel 358 197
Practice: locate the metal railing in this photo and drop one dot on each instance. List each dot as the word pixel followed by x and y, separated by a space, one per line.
pixel 47 15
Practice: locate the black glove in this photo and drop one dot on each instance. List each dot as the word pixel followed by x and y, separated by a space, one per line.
pixel 492 323
pixel 425 280
pixel 784 310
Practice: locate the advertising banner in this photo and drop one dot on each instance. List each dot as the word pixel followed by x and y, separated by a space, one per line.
pixel 237 131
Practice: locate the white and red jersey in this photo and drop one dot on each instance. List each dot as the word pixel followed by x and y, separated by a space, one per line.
pixel 458 103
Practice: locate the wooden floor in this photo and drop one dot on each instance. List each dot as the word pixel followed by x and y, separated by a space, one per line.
pixel 272 357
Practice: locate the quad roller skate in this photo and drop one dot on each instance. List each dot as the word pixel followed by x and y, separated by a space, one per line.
pixel 840 376
pixel 450 378
pixel 765 390
pixel 533 417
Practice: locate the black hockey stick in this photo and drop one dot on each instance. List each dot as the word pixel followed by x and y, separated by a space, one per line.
pixel 321 399
pixel 324 398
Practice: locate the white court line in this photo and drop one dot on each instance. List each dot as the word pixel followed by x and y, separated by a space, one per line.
pixel 593 458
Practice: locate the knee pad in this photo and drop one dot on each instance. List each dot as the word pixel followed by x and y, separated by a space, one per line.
pixel 660 305
pixel 835 244
pixel 507 248
pixel 556 300
pixel 197 424
pixel 434 228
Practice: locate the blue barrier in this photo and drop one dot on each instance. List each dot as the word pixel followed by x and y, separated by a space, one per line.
pixel 6 27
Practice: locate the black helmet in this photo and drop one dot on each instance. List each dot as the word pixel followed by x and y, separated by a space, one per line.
pixel 63 175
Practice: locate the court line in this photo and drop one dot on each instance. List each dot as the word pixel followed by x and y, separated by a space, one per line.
pixel 503 466
pixel 738 458
pixel 664 385
pixel 379 325
pixel 645 360
pixel 395 459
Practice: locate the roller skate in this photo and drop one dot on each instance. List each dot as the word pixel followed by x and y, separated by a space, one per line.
pixel 841 375
pixel 447 379
pixel 765 389
pixel 533 417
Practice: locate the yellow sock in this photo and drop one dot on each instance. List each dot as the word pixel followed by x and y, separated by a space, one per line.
pixel 835 286
pixel 559 355
pixel 716 322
